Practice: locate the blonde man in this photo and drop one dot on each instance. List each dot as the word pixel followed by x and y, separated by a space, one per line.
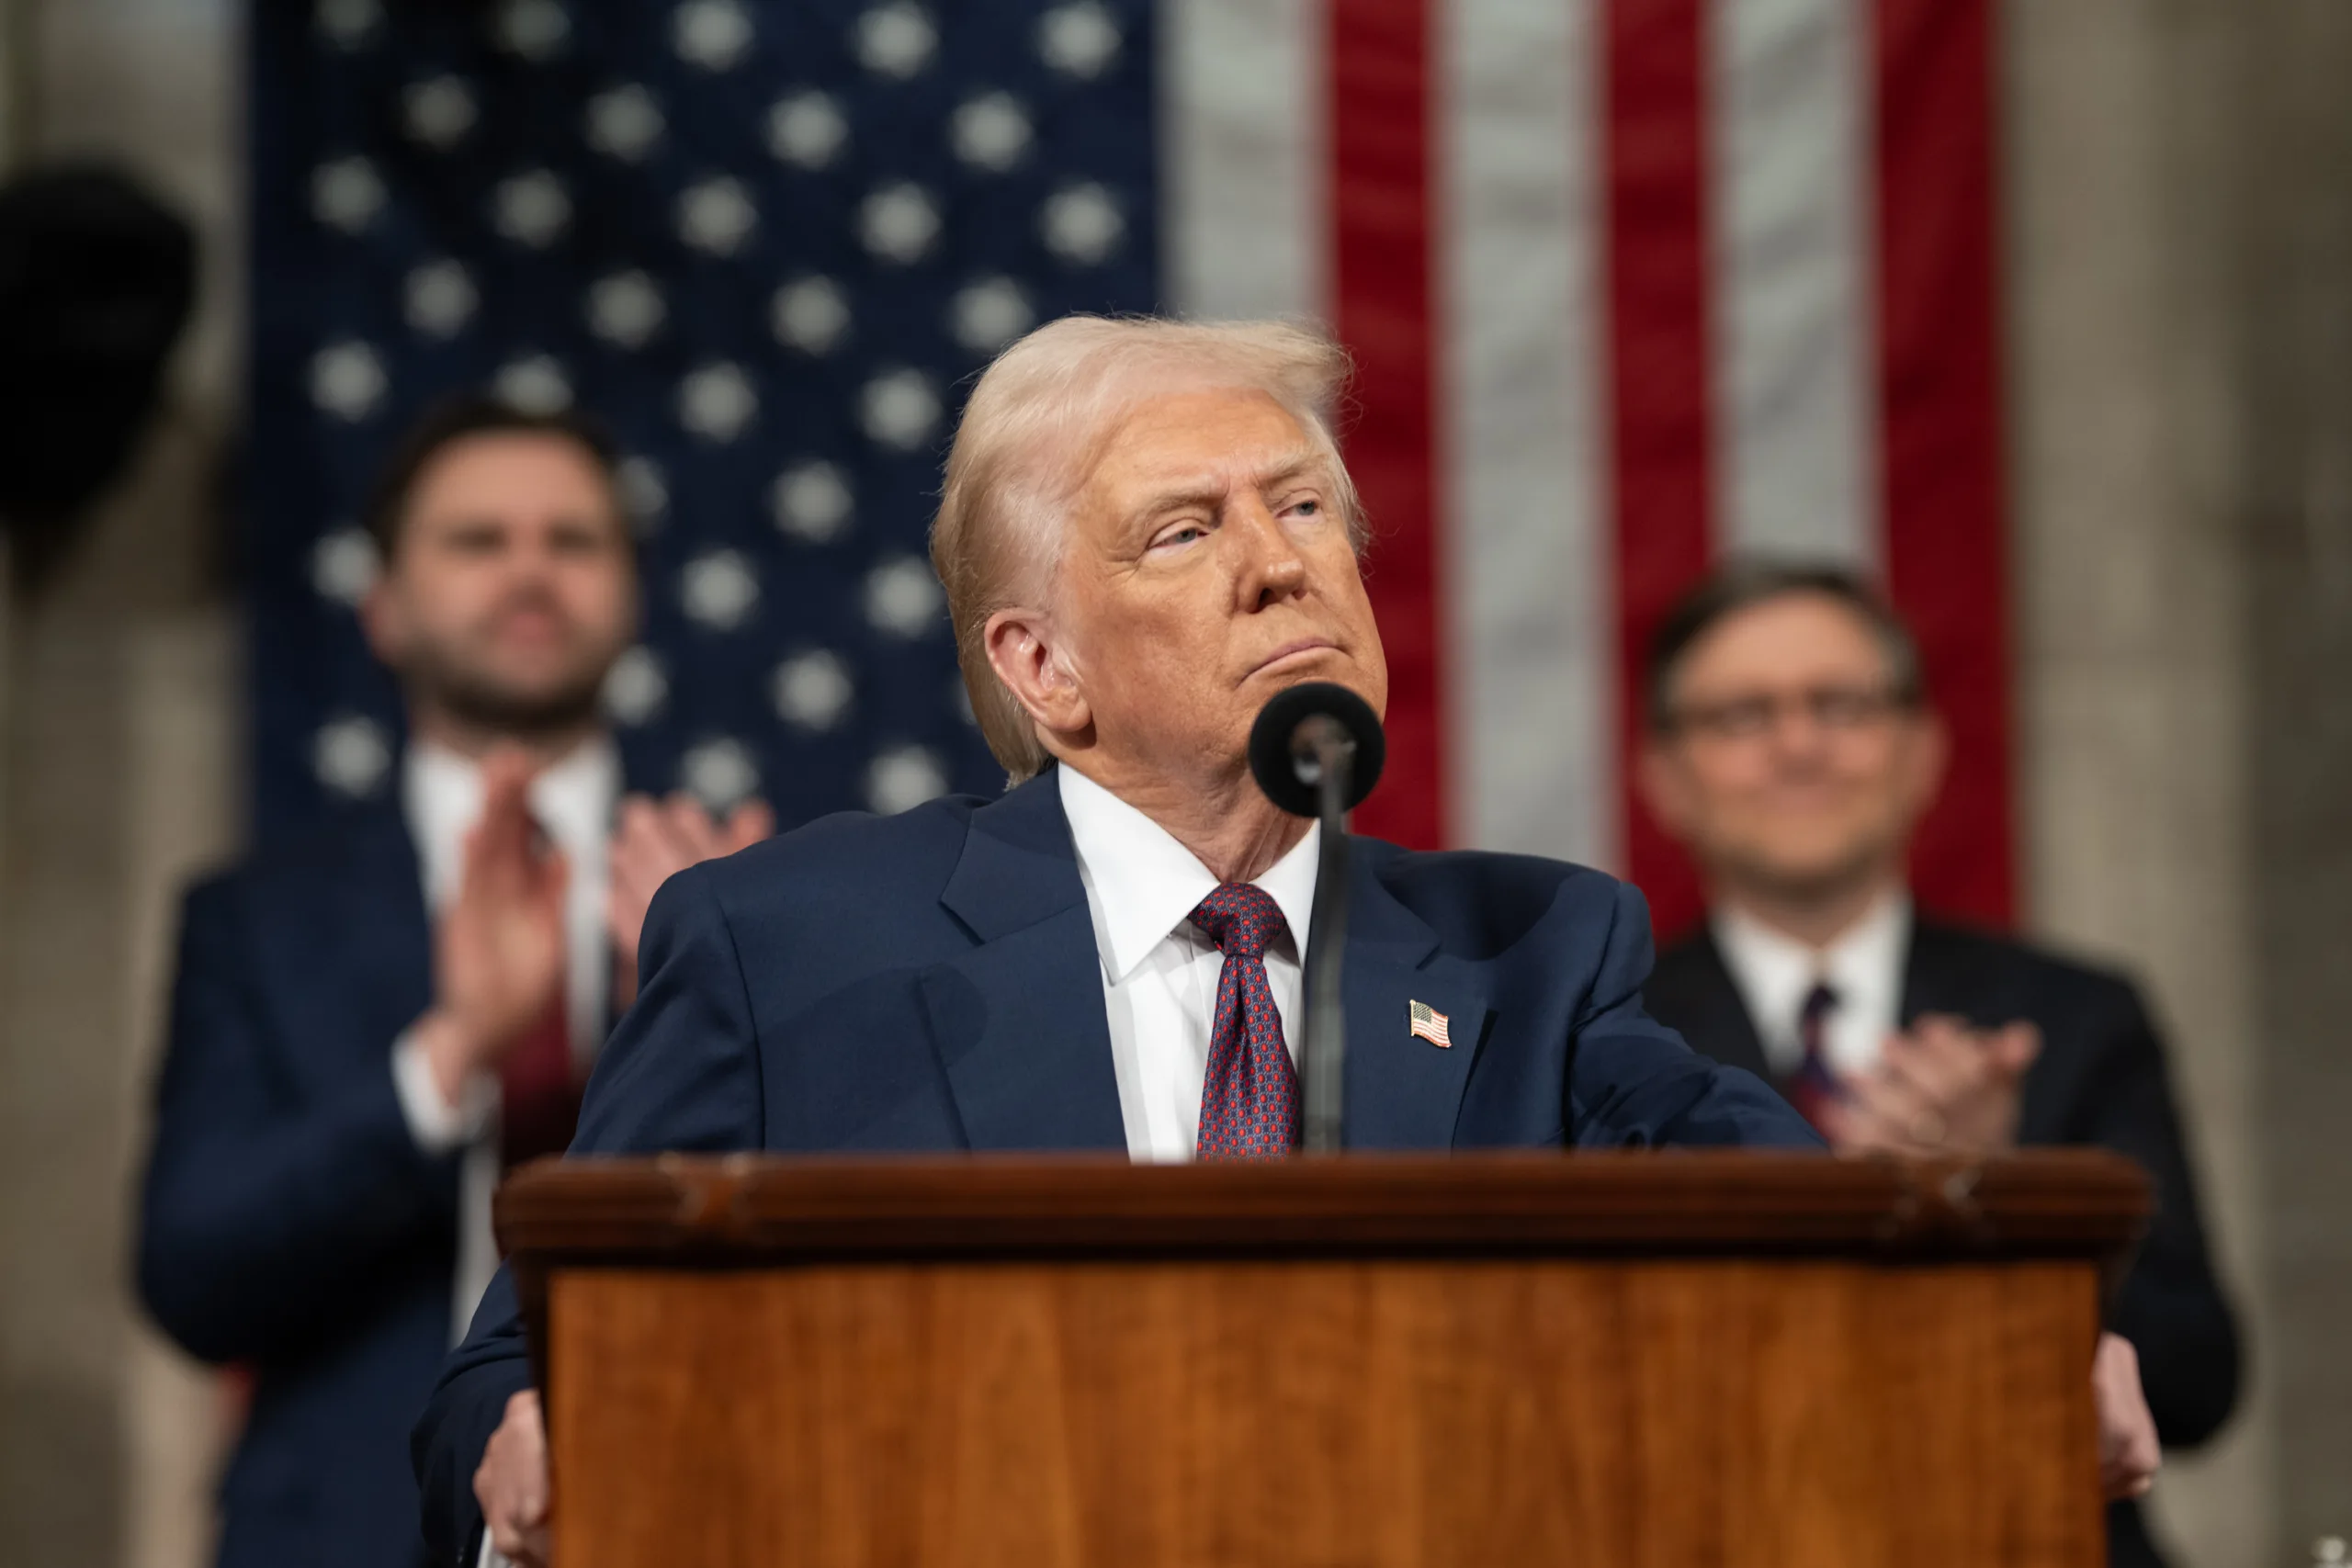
pixel 1146 533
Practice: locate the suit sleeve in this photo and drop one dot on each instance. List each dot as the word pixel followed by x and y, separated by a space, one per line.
pixel 1634 1083
pixel 2171 1307
pixel 681 1073
pixel 268 1216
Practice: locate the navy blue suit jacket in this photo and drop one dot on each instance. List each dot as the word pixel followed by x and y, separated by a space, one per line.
pixel 290 1221
pixel 930 981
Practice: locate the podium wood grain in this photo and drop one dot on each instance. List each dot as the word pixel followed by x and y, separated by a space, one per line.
pixel 1662 1360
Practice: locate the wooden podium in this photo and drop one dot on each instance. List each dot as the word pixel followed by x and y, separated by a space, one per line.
pixel 1737 1359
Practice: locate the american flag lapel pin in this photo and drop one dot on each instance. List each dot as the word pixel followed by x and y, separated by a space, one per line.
pixel 1430 1024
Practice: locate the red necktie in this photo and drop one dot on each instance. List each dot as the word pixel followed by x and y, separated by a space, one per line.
pixel 1814 1084
pixel 1249 1098
pixel 540 1093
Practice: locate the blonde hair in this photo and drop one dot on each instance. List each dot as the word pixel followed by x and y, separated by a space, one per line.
pixel 1034 427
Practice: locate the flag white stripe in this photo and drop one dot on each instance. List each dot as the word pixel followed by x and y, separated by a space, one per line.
pixel 1796 438
pixel 1529 600
pixel 1244 158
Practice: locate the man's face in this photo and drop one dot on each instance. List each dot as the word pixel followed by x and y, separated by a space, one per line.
pixel 513 589
pixel 1207 568
pixel 1790 764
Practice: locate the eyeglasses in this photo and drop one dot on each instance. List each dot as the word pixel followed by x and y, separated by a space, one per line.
pixel 1839 709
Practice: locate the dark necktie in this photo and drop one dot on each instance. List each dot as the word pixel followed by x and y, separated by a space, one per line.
pixel 538 1089
pixel 1249 1098
pixel 1812 1086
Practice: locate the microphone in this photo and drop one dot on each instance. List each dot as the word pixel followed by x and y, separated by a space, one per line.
pixel 1317 749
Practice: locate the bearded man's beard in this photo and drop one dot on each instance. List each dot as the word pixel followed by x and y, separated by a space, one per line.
pixel 480 701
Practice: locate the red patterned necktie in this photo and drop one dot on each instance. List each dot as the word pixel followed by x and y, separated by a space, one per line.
pixel 1249 1099
pixel 1812 1085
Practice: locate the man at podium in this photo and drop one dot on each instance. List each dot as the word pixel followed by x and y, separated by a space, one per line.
pixel 1146 533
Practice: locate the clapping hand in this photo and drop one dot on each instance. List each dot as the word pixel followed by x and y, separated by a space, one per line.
pixel 499 948
pixel 1940 1088
pixel 657 840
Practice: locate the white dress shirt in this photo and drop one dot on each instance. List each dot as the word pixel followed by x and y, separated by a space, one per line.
pixel 1159 973
pixel 1774 972
pixel 574 802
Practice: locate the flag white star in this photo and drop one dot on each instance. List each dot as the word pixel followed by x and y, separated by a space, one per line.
pixel 533 28
pixel 719 773
pixel 536 384
pixel 713 34
pixel 1078 40
pixel 439 112
pixel 987 314
pixel 1082 223
pixel 347 380
pixel 344 565
pixel 717 401
pixel 718 589
pixel 625 308
pixel 531 208
pixel 812 690
pixel 899 409
pixel 636 688
pixel 896 40
pixel 811 502
pixel 810 314
pixel 643 492
pixel 438 299
pixel 898 222
pixel 715 216
pixel 990 131
pixel 623 122
pixel 903 597
pixel 903 778
pixel 807 129
pixel 346 194
pixel 351 755
pixel 348 24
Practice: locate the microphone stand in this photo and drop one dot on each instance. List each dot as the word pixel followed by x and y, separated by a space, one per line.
pixel 1326 758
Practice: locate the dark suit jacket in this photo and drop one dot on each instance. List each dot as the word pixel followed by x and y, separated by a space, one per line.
pixel 2101 1080
pixel 930 981
pixel 290 1220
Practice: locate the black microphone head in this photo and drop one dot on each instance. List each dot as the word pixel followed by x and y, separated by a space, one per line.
pixel 1285 773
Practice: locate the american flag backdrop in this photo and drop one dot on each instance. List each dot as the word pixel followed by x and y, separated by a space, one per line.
pixel 1630 283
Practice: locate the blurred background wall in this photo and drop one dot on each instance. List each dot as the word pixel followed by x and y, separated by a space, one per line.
pixel 2179 230
pixel 117 758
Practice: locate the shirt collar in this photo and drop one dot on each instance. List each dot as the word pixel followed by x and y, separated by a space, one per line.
pixel 573 797
pixel 1773 970
pixel 1143 883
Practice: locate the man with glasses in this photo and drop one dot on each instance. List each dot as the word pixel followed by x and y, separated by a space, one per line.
pixel 1792 749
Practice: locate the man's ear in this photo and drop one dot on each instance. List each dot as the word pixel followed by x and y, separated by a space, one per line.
pixel 1658 775
pixel 1928 757
pixel 1023 651
pixel 383 619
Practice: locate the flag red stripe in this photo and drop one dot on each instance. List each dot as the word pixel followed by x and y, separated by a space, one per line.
pixel 1382 294
pixel 1661 366
pixel 1939 335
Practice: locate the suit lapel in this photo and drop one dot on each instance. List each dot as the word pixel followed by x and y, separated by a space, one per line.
pixel 396 981
pixel 352 945
pixel 1719 1023
pixel 1401 1091
pixel 1948 970
pixel 1018 1022
pixel 1941 975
